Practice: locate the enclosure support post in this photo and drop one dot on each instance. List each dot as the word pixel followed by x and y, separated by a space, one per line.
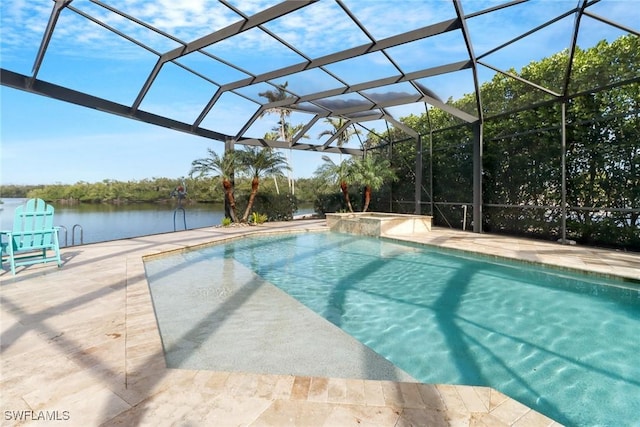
pixel 431 169
pixel 390 157
pixel 228 147
pixel 563 223
pixel 418 184
pixel 477 177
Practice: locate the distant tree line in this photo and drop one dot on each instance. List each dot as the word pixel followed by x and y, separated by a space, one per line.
pixel 153 190
pixel 17 191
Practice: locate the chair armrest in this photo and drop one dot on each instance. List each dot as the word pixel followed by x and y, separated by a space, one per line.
pixel 19 233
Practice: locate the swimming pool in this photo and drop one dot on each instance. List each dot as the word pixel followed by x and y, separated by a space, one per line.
pixel 565 345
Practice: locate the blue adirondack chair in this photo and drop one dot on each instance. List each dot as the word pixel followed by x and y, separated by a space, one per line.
pixel 32 236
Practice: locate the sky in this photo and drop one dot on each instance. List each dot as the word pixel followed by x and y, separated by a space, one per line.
pixel 46 141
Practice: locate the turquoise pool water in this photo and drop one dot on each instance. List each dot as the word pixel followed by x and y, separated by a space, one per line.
pixel 564 344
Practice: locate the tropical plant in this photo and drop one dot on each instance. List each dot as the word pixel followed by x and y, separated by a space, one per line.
pixel 258 218
pixel 371 172
pixel 259 162
pixel 284 131
pixel 288 131
pixel 277 95
pixel 337 124
pixel 222 168
pixel 339 174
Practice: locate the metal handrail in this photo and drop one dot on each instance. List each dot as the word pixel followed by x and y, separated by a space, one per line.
pixel 66 232
pixel 73 234
pixel 184 217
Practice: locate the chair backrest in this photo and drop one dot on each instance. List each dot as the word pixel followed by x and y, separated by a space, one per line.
pixel 34 220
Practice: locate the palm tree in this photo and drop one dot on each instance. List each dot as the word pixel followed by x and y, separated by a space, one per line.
pixel 292 130
pixel 289 131
pixel 223 168
pixel 339 174
pixel 259 161
pixel 285 132
pixel 344 136
pixel 279 94
pixel 371 172
pixel 274 137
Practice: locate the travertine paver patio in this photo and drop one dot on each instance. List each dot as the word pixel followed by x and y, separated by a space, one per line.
pixel 80 346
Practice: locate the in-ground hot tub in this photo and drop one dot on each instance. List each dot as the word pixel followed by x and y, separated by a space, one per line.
pixel 378 224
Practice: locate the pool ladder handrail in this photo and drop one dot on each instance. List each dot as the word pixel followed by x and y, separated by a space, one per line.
pixel 73 234
pixel 184 217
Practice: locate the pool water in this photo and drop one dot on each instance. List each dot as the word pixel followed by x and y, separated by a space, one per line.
pixel 564 344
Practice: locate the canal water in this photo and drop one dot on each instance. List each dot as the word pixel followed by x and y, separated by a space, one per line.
pixel 92 223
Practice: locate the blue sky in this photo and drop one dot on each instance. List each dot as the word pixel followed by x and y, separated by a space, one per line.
pixel 48 141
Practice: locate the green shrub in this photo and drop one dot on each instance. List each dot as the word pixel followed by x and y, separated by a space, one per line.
pixel 334 202
pixel 277 207
pixel 257 218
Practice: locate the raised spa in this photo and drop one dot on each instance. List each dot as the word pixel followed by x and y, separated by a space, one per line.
pixel 377 224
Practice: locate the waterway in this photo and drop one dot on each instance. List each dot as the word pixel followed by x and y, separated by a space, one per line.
pixel 96 222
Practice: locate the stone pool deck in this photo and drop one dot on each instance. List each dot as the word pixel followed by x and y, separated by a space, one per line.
pixel 80 346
